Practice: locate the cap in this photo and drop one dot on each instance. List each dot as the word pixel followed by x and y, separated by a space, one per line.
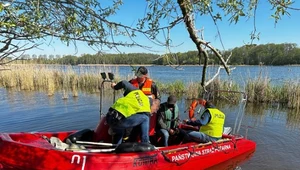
pixel 171 99
pixel 141 71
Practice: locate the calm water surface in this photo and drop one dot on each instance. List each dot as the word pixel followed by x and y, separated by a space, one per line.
pixel 240 74
pixel 276 74
pixel 275 130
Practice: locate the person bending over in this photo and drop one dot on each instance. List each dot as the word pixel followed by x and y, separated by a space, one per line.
pixel 129 111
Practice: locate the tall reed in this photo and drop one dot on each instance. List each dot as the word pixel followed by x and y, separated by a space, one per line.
pixel 193 90
pixel 293 94
pixel 172 88
pixel 42 77
pixel 259 90
pixel 213 90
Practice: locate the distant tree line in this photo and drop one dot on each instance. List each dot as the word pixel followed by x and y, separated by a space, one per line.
pixel 266 54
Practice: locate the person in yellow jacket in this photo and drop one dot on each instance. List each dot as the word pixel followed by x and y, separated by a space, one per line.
pixel 211 124
pixel 129 111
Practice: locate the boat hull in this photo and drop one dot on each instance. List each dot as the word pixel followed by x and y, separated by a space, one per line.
pixel 32 151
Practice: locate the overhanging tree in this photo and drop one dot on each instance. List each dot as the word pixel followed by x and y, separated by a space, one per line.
pixel 24 24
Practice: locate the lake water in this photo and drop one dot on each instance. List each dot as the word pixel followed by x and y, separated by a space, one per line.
pixel 275 130
pixel 240 74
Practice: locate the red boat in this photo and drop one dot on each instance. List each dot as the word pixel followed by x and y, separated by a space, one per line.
pixel 37 151
pixel 81 150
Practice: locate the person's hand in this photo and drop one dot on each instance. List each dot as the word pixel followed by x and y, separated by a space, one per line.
pixel 155 106
pixel 185 120
pixel 202 102
pixel 177 130
pixel 171 131
pixel 193 119
pixel 112 85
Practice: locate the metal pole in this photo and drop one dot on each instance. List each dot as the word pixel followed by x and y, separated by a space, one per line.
pixel 101 97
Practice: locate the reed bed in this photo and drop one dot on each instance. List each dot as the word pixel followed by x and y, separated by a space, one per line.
pixel 193 90
pixel 260 90
pixel 216 90
pixel 51 79
pixel 293 94
pixel 171 88
pixel 70 81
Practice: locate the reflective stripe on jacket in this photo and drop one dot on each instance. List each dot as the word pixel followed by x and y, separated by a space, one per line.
pixel 134 102
pixel 146 88
pixel 214 128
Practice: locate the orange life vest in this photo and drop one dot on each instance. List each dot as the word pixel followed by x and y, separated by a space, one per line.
pixel 146 88
pixel 193 105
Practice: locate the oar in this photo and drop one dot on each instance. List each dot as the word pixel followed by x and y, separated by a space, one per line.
pixel 95 143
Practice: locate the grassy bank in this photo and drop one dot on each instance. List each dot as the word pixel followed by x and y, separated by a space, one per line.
pixel 68 80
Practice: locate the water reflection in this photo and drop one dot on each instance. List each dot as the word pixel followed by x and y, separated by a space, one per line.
pixel 260 112
pixel 293 120
pixel 233 164
pixel 13 101
pixel 257 112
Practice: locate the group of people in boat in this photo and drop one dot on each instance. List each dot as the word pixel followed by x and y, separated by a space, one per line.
pixel 133 114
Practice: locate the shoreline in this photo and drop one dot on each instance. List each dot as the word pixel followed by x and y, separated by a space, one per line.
pixel 147 65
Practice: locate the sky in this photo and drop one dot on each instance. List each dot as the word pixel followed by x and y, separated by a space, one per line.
pixel 287 30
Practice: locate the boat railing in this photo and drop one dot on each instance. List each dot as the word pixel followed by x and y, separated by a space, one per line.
pixel 226 138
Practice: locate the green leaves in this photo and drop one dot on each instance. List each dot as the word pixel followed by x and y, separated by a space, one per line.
pixel 1 7
pixel 233 8
pixel 280 8
pixel 91 21
pixel 217 17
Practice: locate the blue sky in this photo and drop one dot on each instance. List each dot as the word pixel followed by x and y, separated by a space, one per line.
pixel 233 35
